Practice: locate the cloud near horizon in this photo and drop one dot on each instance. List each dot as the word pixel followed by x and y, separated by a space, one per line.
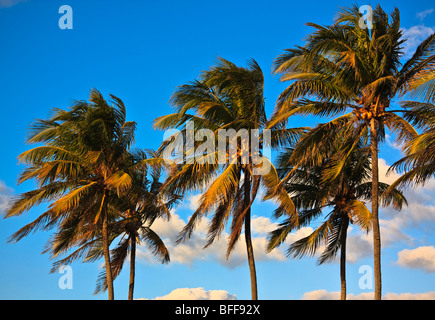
pixel 335 295
pixel 201 294
pixel 196 294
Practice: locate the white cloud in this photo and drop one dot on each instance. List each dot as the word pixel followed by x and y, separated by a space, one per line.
pixel 420 209
pixel 391 143
pixel 410 296
pixel 358 246
pixel 422 14
pixel 392 231
pixel 197 294
pixel 10 3
pixel 383 176
pixel 415 35
pixel 5 195
pixel 325 295
pixel 169 229
pixel 422 258
pixel 262 225
pixel 193 201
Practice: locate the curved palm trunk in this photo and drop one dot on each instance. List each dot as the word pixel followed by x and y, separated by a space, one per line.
pixel 132 267
pixel 106 252
pixel 343 257
pixel 249 248
pixel 375 208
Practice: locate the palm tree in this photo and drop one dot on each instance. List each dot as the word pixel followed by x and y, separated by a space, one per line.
pixel 344 68
pixel 136 210
pixel 225 97
pixel 341 189
pixel 79 169
pixel 140 206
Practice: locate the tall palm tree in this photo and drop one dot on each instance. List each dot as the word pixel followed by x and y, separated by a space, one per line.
pixel 341 190
pixel 225 97
pixel 140 206
pixel 78 169
pixel 346 68
pixel 136 210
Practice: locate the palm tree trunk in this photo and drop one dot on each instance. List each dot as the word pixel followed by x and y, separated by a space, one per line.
pixel 109 277
pixel 375 208
pixel 249 248
pixel 132 267
pixel 343 257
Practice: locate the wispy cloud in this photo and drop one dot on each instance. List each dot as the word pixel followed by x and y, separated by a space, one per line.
pixel 10 3
pixel 422 14
pixel 414 36
pixel 5 195
pixel 391 143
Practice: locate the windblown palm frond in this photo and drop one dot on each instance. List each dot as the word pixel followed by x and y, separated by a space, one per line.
pixel 225 98
pixel 345 67
pixel 78 170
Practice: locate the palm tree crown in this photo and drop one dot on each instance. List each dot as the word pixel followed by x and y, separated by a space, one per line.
pixel 226 97
pixel 338 188
pixel 344 68
pixel 79 169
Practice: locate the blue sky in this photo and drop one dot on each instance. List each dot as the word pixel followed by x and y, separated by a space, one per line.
pixel 140 51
